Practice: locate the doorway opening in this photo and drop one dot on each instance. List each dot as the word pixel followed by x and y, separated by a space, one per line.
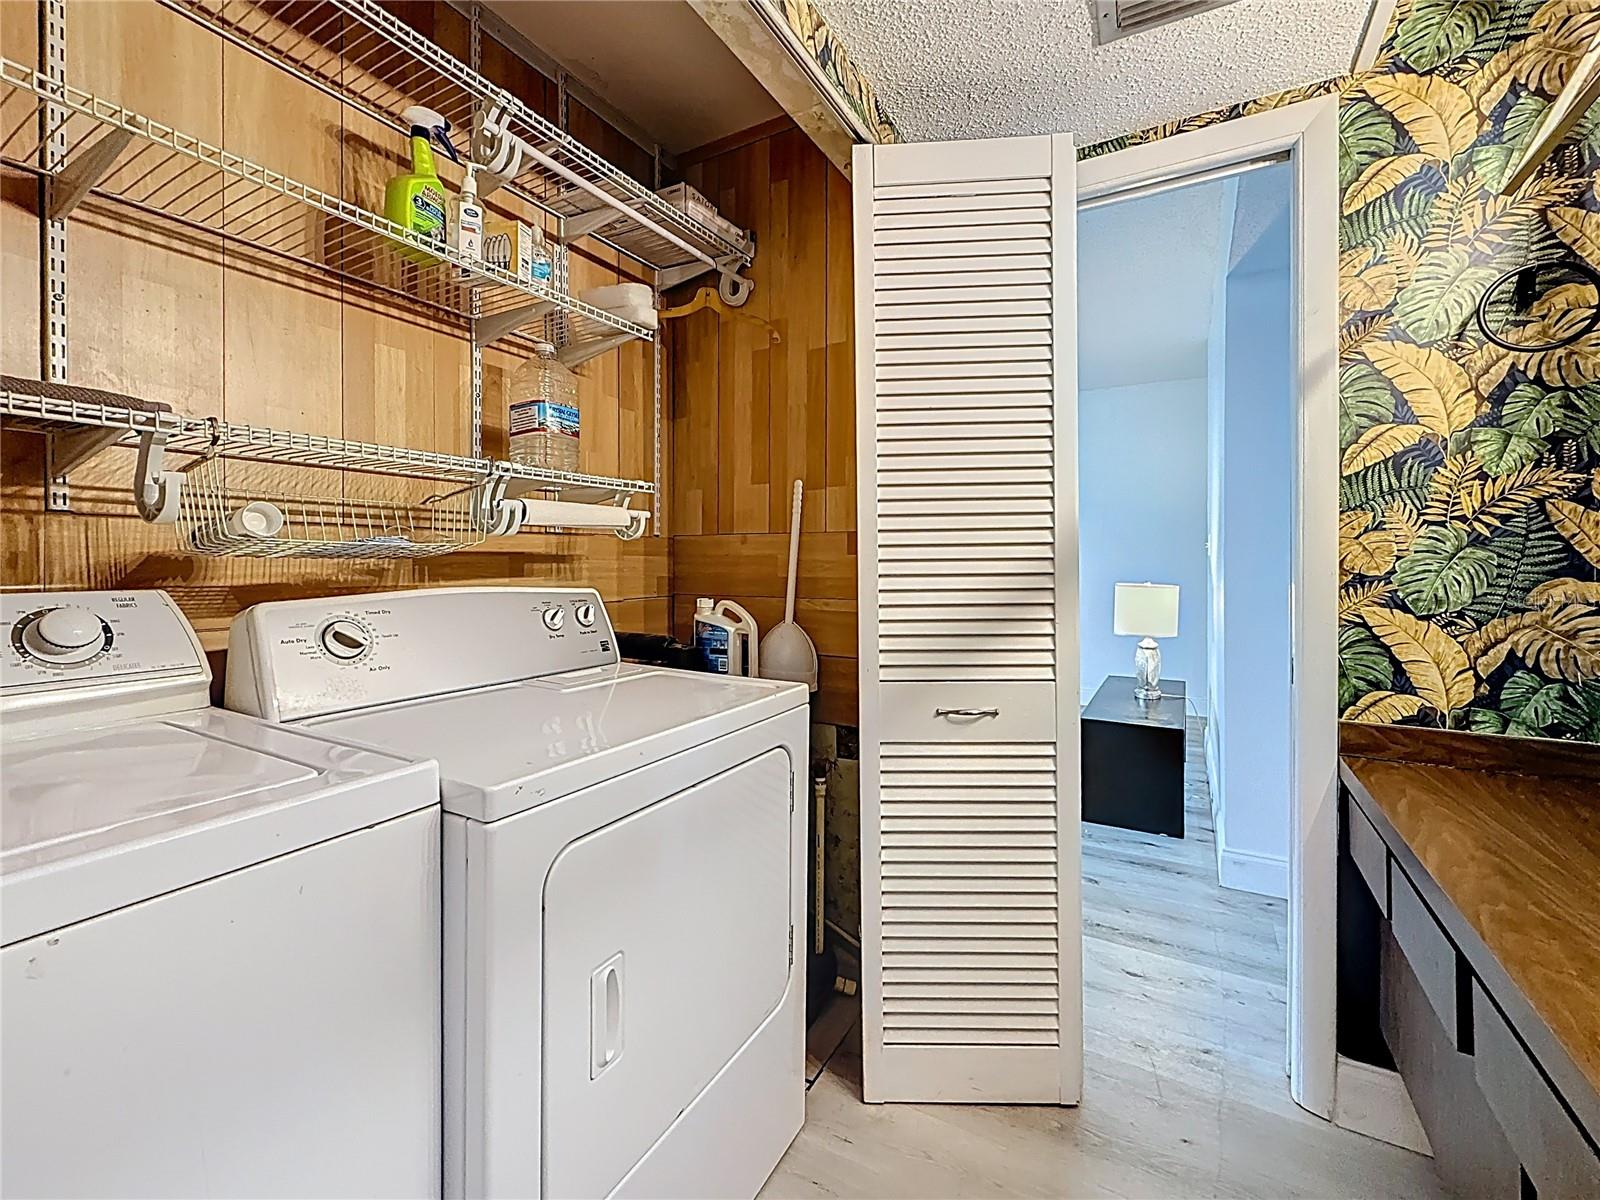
pixel 1210 463
pixel 1184 483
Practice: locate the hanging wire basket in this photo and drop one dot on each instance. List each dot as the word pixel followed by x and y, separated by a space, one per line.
pixel 237 508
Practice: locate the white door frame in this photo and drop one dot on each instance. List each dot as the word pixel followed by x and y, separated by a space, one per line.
pixel 1308 133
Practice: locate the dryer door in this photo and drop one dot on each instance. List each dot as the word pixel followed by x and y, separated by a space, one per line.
pixel 666 947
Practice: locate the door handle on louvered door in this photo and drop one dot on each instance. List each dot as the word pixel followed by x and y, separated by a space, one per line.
pixel 966 712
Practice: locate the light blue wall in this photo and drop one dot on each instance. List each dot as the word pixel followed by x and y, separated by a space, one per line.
pixel 1142 501
pixel 1251 628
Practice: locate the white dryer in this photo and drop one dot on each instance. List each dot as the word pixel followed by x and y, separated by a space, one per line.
pixel 220 973
pixel 624 853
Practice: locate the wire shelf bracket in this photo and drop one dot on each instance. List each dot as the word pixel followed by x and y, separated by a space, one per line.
pixel 575 354
pixel 73 182
pixel 486 330
pixel 64 452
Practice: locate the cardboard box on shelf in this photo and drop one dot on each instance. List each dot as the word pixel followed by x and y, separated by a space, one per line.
pixel 517 247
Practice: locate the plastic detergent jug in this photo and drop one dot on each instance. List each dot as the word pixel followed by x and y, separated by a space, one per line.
pixel 727 633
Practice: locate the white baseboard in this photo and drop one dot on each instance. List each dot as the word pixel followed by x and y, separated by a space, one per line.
pixel 1240 870
pixel 1374 1102
pixel 1247 871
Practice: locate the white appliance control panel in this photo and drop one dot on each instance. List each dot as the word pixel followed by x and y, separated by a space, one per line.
pixel 297 659
pixel 98 651
pixel 64 638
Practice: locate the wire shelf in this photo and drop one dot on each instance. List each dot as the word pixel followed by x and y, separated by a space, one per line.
pixel 209 436
pixel 162 171
pixel 25 407
pixel 356 51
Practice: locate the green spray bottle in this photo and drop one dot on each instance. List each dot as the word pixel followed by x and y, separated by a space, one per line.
pixel 416 200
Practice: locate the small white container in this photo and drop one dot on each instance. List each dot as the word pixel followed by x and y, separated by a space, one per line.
pixel 259 518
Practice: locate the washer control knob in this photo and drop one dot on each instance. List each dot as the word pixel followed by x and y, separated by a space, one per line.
pixel 554 619
pixel 584 612
pixel 64 635
pixel 345 639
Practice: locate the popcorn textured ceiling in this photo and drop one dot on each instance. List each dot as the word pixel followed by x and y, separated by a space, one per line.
pixel 993 68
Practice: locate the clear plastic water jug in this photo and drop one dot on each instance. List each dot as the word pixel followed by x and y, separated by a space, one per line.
pixel 544 412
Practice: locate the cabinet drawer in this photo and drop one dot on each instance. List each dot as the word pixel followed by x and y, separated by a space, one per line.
pixel 969 712
pixel 1370 854
pixel 1554 1154
pixel 1427 948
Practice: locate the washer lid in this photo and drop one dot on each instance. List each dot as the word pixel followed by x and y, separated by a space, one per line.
pixel 96 819
pixel 72 792
pixel 505 749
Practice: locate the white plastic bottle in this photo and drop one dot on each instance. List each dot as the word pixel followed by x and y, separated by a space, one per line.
pixel 728 635
pixel 544 417
pixel 466 223
pixel 542 264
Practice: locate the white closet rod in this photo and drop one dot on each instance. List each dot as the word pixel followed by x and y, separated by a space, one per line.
pixel 606 198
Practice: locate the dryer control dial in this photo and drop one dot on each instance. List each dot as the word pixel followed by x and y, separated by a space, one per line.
pixel 554 619
pixel 584 612
pixel 65 635
pixel 345 639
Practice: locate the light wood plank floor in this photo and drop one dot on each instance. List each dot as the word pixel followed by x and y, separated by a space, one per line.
pixel 1184 1091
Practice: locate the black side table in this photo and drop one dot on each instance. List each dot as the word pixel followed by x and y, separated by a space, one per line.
pixel 1133 757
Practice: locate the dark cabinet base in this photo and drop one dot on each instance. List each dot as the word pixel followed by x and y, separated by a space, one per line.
pixel 1133 758
pixel 1499 1124
pixel 1470 1151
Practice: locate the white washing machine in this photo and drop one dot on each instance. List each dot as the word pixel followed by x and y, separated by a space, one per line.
pixel 624 854
pixel 220 973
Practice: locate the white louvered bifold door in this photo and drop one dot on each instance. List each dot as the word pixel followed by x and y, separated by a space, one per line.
pixel 966 393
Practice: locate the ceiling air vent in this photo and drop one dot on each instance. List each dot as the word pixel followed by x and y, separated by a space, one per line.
pixel 1115 19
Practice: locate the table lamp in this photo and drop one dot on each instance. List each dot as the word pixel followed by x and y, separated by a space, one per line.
pixel 1146 611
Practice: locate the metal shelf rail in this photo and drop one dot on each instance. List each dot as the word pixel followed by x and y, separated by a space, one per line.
pixel 361 54
pixel 160 170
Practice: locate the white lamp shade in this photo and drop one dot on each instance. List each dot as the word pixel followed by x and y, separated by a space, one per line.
pixel 1146 610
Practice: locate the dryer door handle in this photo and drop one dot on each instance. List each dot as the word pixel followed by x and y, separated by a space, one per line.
pixel 605 1015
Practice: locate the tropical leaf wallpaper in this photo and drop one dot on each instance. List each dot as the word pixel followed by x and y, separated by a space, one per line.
pixel 1469 531
pixel 830 54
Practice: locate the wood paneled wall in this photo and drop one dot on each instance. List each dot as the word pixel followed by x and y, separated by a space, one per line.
pixel 752 412
pixel 212 328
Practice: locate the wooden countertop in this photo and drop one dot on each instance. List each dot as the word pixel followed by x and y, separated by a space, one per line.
pixel 1517 856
